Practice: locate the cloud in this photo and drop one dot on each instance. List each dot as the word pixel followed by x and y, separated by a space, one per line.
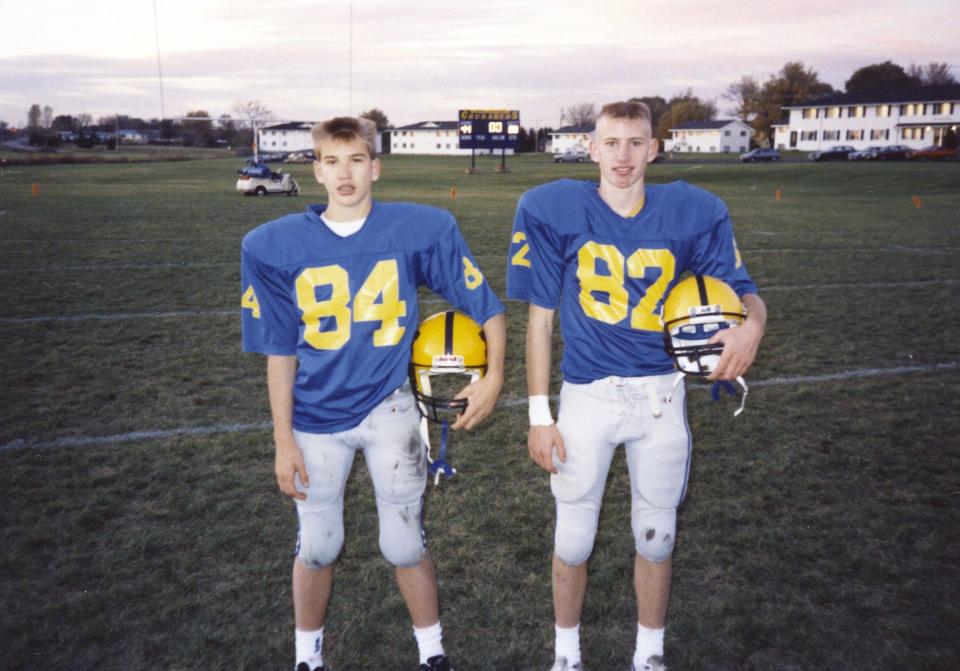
pixel 425 60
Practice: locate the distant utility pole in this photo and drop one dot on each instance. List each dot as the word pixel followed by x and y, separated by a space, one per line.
pixel 350 67
pixel 156 33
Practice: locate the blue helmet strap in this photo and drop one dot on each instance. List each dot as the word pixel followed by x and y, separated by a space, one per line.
pixel 439 465
pixel 724 385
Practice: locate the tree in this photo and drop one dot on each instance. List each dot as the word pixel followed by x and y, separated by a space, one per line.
pixel 886 76
pixel 581 114
pixel 657 107
pixel 251 113
pixel 47 116
pixel 33 117
pixel 64 122
pixel 83 120
pixel 681 108
pixel 934 74
pixel 745 94
pixel 377 116
pixel 794 84
pixel 197 129
pixel 226 129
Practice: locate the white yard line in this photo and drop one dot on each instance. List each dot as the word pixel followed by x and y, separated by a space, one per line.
pixel 157 434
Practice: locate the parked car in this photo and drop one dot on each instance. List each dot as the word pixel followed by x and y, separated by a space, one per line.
pixel 760 154
pixel 575 155
pixel 894 152
pixel 300 157
pixel 868 154
pixel 932 153
pixel 257 179
pixel 837 153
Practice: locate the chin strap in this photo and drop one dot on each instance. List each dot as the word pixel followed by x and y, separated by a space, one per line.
pixel 439 465
pixel 718 386
pixel 730 389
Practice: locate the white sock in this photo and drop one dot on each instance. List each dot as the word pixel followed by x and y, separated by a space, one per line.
pixel 429 641
pixel 649 642
pixel 310 647
pixel 568 644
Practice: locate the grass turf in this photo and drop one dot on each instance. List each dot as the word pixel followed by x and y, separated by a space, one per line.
pixel 819 529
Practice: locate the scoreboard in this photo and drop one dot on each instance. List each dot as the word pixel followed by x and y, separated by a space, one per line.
pixel 489 129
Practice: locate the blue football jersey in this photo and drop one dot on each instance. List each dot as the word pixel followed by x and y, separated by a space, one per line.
pixel 347 307
pixel 607 275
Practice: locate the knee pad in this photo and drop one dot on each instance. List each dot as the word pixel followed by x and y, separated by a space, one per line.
pixel 320 537
pixel 402 539
pixel 654 531
pixel 576 531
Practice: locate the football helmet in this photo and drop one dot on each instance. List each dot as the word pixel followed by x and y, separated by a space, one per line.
pixel 447 343
pixel 694 310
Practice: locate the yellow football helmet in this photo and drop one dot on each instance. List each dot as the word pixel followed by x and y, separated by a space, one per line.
pixel 694 310
pixel 447 343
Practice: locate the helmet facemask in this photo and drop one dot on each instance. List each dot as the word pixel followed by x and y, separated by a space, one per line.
pixel 686 340
pixel 449 352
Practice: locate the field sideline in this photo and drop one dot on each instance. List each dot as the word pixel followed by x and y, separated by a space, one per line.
pixel 140 526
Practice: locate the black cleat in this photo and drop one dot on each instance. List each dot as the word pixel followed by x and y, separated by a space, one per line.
pixel 438 663
pixel 303 666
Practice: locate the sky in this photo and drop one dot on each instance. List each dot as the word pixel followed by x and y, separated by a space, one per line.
pixel 425 60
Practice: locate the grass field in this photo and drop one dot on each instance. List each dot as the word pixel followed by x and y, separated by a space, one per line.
pixel 140 526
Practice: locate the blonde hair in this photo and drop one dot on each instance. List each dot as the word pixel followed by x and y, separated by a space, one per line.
pixel 631 109
pixel 345 129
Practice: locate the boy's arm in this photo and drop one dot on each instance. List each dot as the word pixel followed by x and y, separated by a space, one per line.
pixel 281 374
pixel 482 395
pixel 740 345
pixel 542 438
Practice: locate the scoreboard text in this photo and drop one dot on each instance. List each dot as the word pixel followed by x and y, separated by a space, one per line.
pixel 489 129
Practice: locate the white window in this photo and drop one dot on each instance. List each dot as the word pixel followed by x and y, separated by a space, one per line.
pixel 854 134
pixel 883 110
pixel 726 133
pixel 810 113
pixel 831 135
pixel 808 135
pixel 880 134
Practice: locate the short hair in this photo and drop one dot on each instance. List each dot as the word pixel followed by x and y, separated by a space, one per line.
pixel 630 109
pixel 345 129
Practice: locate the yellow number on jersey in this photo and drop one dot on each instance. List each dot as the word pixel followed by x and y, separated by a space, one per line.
pixel 383 280
pixel 335 306
pixel 250 302
pixel 520 258
pixel 471 274
pixel 644 316
pixel 614 308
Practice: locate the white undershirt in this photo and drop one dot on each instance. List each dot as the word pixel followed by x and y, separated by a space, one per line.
pixel 343 228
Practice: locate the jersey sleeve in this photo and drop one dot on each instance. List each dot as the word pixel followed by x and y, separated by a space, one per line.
pixel 519 267
pixel 539 280
pixel 269 319
pixel 449 268
pixel 715 253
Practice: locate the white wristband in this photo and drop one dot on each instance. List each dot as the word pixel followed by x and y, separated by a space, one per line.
pixel 540 411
